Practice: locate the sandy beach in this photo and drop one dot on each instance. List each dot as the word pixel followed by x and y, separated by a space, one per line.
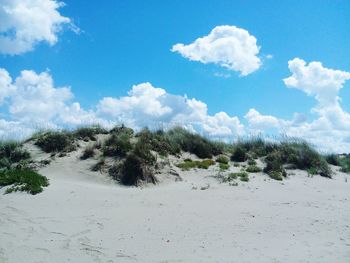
pixel 85 217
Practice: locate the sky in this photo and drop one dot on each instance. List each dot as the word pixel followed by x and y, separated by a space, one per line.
pixel 224 69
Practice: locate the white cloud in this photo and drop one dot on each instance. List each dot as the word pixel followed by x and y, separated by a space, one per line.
pixel 34 102
pixel 24 23
pixel 228 46
pixel 330 131
pixel 146 105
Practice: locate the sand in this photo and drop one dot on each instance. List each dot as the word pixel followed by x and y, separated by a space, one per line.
pixel 85 217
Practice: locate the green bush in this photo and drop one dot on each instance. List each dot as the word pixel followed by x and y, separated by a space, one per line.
pixel 11 152
pixel 135 171
pixel 345 163
pixel 253 169
pixel 243 176
pixel 90 133
pixel 194 143
pixel 55 141
pixel 23 180
pixel 333 159
pixel 122 130
pixel 117 145
pixel 251 162
pixel 276 175
pixel 189 164
pixel 88 152
pixel 230 177
pixel 239 155
pixel 224 166
pixel 222 159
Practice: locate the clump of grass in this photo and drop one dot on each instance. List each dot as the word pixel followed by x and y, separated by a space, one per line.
pixel 55 141
pixel 99 166
pixel 194 143
pixel 253 169
pixel 222 159
pixel 23 180
pixel 236 165
pixel 89 133
pixel 224 166
pixel 276 175
pixel 345 164
pixel 243 176
pixel 117 145
pixel 251 162
pixel 11 152
pixel 189 164
pixel 333 159
pixel 88 152
pixel 239 155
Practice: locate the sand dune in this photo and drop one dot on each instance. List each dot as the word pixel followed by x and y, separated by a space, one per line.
pixel 84 216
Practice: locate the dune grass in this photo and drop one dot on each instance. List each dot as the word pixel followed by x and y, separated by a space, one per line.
pixel 189 164
pixel 55 141
pixel 23 180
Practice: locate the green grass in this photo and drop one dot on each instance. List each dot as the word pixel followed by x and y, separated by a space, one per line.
pixel 117 145
pixel 23 180
pixel 222 159
pixel 243 176
pixel 11 152
pixel 276 175
pixel 55 141
pixel 88 152
pixel 239 155
pixel 189 164
pixel 89 132
pixel 224 166
pixel 253 169
pixel 251 162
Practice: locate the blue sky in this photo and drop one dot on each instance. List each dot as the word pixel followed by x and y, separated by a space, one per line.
pixel 125 43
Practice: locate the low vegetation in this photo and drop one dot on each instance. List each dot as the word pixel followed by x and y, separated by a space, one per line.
pixel 253 169
pixel 23 180
pixel 89 133
pixel 189 164
pixel 243 176
pixel 224 166
pixel 55 141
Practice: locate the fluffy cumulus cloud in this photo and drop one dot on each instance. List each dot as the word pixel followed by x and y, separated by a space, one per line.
pixel 330 130
pixel 228 46
pixel 24 23
pixel 31 101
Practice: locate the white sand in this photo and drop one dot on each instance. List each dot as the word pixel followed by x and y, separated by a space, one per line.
pixel 85 217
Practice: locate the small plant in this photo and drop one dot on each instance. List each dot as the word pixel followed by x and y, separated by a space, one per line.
pixel 89 133
pixel 99 165
pixel 224 166
pixel 276 175
pixel 230 177
pixel 333 159
pixel 189 164
pixel 311 171
pixel 10 153
pixel 253 169
pixel 88 152
pixel 251 162
pixel 222 159
pixel 117 145
pixel 23 180
pixel 243 176
pixel 236 165
pixel 239 155
pixel 55 141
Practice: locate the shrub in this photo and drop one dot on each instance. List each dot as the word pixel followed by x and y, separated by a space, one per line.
pixel 232 176
pixel 99 165
pixel 239 155
pixel 251 162
pixel 135 171
pixel 236 164
pixel 222 159
pixel 55 141
pixel 312 171
pixel 253 169
pixel 224 166
pixel 256 146
pixel 23 180
pixel 90 133
pixel 11 152
pixel 194 143
pixel 117 145
pixel 276 175
pixel 189 164
pixel 333 159
pixel 122 130
pixel 88 152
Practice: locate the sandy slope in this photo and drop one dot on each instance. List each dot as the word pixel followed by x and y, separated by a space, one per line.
pixel 85 217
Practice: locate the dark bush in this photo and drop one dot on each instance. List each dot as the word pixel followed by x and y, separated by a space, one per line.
pixel 55 141
pixel 135 171
pixel 90 133
pixel 117 145
pixel 10 153
pixel 239 155
pixel 88 153
pixel 333 159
